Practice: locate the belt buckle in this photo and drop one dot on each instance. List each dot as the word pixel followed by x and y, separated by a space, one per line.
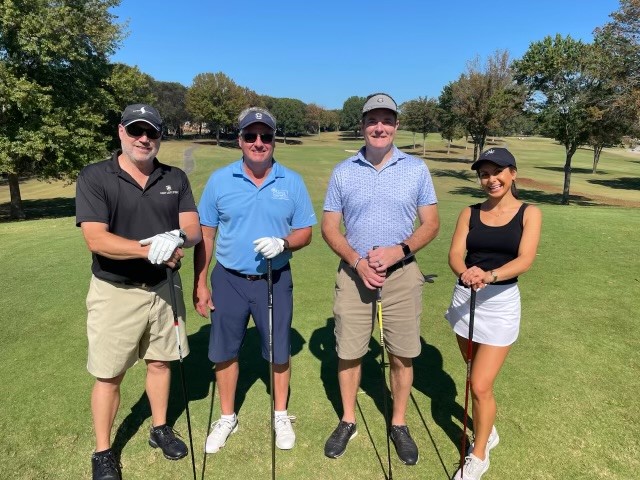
pixel 253 278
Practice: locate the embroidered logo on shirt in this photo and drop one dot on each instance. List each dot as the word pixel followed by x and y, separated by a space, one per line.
pixel 279 194
pixel 169 191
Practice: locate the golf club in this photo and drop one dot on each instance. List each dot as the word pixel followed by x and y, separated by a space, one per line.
pixel 174 308
pixel 271 382
pixel 472 309
pixel 385 405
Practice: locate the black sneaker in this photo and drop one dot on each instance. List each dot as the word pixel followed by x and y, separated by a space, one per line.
pixel 164 437
pixel 105 466
pixel 405 446
pixel 337 442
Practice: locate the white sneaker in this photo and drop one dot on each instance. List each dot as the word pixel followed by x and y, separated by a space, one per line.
pixel 473 468
pixel 285 436
pixel 494 439
pixel 220 431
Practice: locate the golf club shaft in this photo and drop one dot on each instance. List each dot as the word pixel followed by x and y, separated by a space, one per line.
pixel 472 310
pixel 385 404
pixel 176 324
pixel 271 380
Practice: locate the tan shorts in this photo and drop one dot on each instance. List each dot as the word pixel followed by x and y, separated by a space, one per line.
pixel 354 310
pixel 127 323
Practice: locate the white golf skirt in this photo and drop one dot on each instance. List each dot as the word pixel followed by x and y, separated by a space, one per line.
pixel 497 314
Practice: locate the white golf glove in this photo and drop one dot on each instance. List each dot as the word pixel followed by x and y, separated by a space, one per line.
pixel 162 246
pixel 269 247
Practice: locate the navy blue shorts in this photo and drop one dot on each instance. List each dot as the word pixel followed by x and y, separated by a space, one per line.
pixel 235 298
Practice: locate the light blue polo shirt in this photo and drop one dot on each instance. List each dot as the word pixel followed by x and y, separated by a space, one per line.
pixel 379 207
pixel 242 213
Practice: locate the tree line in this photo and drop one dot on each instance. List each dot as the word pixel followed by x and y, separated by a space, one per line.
pixel 60 96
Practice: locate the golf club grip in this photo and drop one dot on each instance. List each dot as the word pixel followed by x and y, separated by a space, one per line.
pixel 172 295
pixel 472 312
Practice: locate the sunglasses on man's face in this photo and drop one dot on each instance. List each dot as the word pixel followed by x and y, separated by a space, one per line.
pixel 137 130
pixel 252 137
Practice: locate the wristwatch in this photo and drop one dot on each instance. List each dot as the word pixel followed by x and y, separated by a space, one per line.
pixel 286 243
pixel 406 251
pixel 183 235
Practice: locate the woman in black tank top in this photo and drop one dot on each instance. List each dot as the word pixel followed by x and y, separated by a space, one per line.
pixel 494 242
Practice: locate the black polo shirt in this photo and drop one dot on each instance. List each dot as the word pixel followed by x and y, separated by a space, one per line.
pixel 107 194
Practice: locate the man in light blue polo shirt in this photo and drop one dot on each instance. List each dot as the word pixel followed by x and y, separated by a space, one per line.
pixel 254 209
pixel 378 194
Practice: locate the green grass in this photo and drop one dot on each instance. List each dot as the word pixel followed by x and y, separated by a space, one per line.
pixel 567 394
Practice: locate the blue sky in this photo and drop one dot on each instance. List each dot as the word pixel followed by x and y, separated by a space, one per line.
pixel 326 51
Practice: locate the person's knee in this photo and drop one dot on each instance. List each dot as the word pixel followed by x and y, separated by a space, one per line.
pixel 158 367
pixel 481 389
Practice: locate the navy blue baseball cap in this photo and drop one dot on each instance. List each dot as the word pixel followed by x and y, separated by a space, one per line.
pixel 499 156
pixel 253 115
pixel 139 112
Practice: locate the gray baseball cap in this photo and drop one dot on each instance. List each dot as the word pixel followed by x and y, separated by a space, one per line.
pixel 379 100
pixel 253 115
pixel 139 112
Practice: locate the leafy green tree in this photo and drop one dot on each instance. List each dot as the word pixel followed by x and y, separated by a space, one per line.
pixel 451 125
pixel 555 73
pixel 351 115
pixel 420 116
pixel 314 118
pixel 53 71
pixel 172 104
pixel 290 115
pixel 485 97
pixel 216 99
pixel 126 85
pixel 615 61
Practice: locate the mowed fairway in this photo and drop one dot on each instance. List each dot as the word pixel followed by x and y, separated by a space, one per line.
pixel 567 395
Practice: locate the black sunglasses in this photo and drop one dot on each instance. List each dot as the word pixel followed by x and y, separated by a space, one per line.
pixel 252 137
pixel 137 130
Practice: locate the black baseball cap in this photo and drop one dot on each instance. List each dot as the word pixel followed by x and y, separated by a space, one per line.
pixel 140 112
pixel 499 156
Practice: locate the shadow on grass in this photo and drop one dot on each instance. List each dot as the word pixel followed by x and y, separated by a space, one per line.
pixel 451 159
pixel 459 174
pixel 624 183
pixel 44 208
pixel 584 171
pixel 532 196
pixel 199 376
pixel 431 380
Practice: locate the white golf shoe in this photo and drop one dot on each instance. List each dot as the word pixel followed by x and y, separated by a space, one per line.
pixel 285 436
pixel 220 431
pixel 473 468
pixel 494 439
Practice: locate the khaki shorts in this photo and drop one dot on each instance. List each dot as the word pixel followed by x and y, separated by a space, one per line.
pixel 354 310
pixel 127 323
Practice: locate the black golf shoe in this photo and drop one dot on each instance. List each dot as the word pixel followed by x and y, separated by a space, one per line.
pixel 337 442
pixel 105 466
pixel 406 448
pixel 165 438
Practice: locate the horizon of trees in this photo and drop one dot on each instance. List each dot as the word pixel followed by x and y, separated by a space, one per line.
pixel 60 97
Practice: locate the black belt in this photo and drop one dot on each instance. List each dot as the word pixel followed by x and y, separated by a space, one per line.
pixel 131 283
pixel 253 278
pixel 401 263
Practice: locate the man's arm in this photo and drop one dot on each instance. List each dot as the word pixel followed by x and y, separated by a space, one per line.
pixel 338 243
pixel 202 254
pixel 382 258
pixel 299 238
pixel 190 224
pixel 102 242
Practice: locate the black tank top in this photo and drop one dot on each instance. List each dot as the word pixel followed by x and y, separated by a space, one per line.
pixel 491 247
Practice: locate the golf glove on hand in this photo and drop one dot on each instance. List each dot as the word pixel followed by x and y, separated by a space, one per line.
pixel 162 246
pixel 269 247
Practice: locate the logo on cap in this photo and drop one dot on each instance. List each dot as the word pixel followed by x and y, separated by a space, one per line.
pixel 489 152
pixel 258 115
pixel 142 110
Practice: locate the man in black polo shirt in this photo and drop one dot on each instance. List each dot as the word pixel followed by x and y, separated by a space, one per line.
pixel 136 215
